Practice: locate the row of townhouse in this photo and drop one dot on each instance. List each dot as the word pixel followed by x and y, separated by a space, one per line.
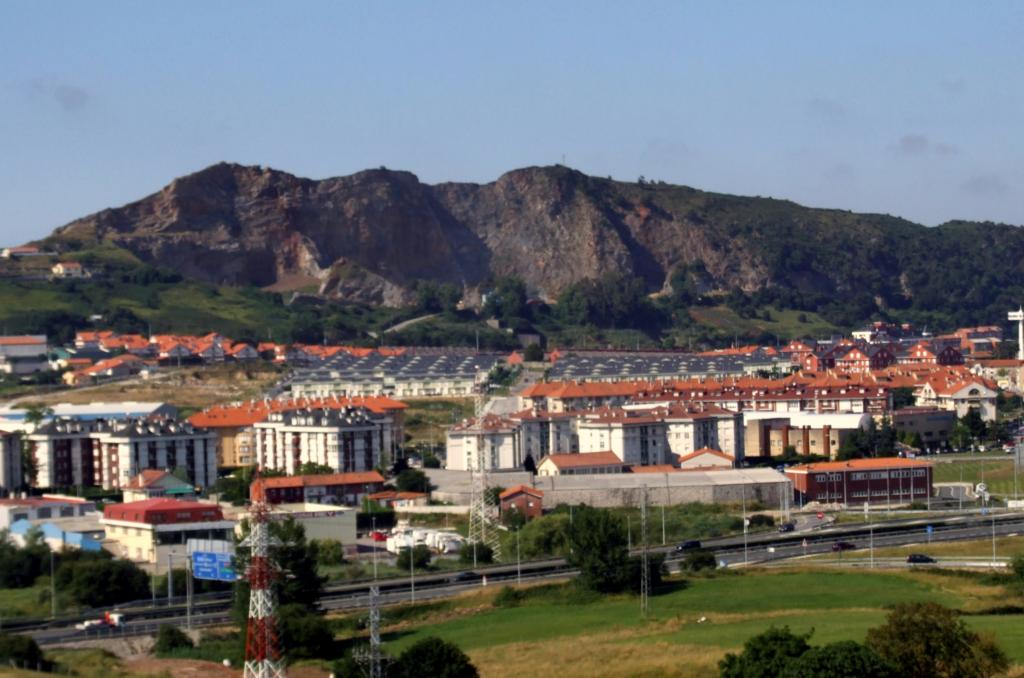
pixel 109 453
pixel 858 356
pixel 792 394
pixel 347 434
pixel 168 348
pixel 640 436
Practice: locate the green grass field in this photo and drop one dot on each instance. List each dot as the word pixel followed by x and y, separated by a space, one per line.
pixel 609 636
pixel 783 323
pixel 997 474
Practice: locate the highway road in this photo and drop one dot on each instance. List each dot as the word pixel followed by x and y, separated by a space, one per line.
pixel 759 549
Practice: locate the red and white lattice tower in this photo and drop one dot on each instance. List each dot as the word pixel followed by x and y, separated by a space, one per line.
pixel 262 654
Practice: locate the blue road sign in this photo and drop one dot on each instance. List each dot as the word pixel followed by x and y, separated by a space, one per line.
pixel 929 529
pixel 213 566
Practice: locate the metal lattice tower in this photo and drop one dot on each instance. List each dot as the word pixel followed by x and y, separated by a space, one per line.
pixel 645 570
pixel 371 658
pixel 262 652
pixel 483 511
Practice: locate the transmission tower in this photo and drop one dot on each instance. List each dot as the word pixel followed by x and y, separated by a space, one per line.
pixel 483 511
pixel 262 653
pixel 645 571
pixel 371 658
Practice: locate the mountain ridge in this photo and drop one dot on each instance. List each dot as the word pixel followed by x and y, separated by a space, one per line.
pixel 370 236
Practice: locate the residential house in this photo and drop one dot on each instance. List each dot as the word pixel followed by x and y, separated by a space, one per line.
pixel 109 453
pixel 490 443
pixel 69 269
pixel 335 489
pixel 959 396
pixel 150 531
pixel 24 354
pixel 396 499
pixel 580 464
pixel 154 483
pixel 705 458
pixel 347 439
pixel 527 501
pixel 11 476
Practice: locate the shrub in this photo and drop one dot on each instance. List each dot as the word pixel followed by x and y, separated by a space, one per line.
pixel 509 597
pixel 433 657
pixel 420 557
pixel 484 554
pixel 330 552
pixel 761 520
pixel 170 638
pixel 22 651
pixel 698 560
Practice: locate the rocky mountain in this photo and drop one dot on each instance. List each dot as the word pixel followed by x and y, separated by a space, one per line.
pixel 370 236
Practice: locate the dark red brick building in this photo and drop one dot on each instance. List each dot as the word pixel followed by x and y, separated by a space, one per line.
pixel 527 500
pixel 886 480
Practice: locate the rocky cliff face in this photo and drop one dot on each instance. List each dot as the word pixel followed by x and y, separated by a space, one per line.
pixel 370 235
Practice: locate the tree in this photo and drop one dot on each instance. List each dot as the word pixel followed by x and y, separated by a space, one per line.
pixel 303 633
pixel 170 638
pixel 21 650
pixel 479 553
pixel 412 480
pixel 19 567
pixel 902 397
pixel 1017 567
pixel 698 560
pixel 507 300
pixel 420 555
pixel 766 655
pixel 529 464
pixel 103 582
pixel 845 659
pixel 330 552
pixel 925 640
pixel 433 657
pixel 311 468
pixel 533 353
pixel 974 423
pixel 294 558
pixel 35 413
pixel 598 547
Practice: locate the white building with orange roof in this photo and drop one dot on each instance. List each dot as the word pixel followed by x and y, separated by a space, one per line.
pixel 23 354
pixel 234 423
pixel 492 442
pixel 960 396
pixel 584 463
pixel 638 439
pixel 344 439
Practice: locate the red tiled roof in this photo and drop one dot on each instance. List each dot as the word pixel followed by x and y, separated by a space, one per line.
pixel 253 411
pixel 706 451
pixel 358 478
pixel 654 468
pixel 392 495
pixel 148 510
pixel 23 340
pixel 524 489
pixel 879 463
pixel 582 460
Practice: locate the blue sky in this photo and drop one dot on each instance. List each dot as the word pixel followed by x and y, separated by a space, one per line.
pixel 911 108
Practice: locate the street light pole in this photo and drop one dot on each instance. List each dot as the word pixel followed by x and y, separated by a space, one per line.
pixel 519 568
pixel 993 539
pixel 53 590
pixel 412 574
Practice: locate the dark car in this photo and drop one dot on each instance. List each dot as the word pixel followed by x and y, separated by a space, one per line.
pixel 691 545
pixel 919 558
pixel 461 577
pixel 787 527
pixel 843 546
